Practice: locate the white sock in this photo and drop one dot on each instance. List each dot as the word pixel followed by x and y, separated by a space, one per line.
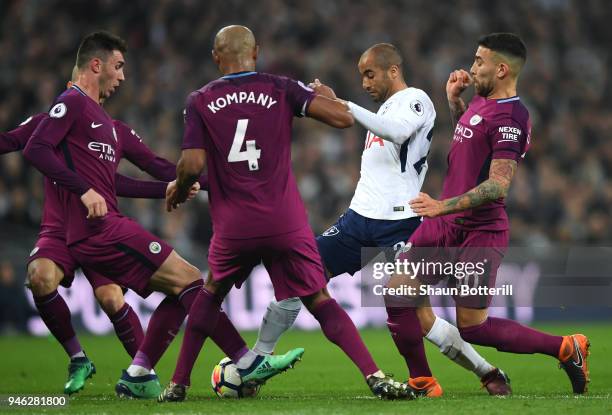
pixel 246 360
pixel 135 370
pixel 449 341
pixel 279 318
pixel 78 354
pixel 378 374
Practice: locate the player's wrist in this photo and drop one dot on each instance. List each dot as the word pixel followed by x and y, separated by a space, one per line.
pixel 454 100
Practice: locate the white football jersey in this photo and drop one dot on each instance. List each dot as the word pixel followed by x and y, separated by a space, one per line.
pixel 392 174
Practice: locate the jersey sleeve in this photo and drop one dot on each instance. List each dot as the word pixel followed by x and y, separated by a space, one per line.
pixel 195 133
pixel 400 123
pixel 299 97
pixel 17 138
pixel 508 139
pixel 133 188
pixel 52 130
pixel 132 146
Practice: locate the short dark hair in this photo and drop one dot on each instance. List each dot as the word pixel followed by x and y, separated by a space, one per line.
pixel 385 55
pixel 99 44
pixel 505 43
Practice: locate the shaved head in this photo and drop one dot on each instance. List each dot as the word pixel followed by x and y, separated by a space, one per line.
pixel 235 41
pixel 383 55
pixel 235 49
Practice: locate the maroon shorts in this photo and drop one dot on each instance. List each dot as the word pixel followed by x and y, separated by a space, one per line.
pixel 54 248
pixel 292 261
pixel 123 252
pixel 96 279
pixel 442 242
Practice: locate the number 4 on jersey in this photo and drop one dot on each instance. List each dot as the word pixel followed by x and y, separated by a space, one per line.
pixel 251 154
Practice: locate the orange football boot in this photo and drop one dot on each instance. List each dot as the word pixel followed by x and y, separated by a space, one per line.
pixel 426 386
pixel 573 356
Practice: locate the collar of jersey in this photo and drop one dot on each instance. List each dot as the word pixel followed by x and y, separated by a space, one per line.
pixel 78 89
pixel 238 74
pixel 503 101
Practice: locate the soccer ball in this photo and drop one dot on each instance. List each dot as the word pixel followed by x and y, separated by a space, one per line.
pixel 226 381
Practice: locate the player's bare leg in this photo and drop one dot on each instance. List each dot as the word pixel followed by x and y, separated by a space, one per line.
pixel 125 321
pixel 506 335
pixel 340 330
pixel 44 276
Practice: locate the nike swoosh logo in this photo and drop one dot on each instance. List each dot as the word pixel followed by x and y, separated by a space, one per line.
pixel 94 125
pixel 579 353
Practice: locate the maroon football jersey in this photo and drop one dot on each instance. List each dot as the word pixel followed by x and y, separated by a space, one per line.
pixel 90 144
pixel 489 129
pixel 52 222
pixel 16 140
pixel 244 122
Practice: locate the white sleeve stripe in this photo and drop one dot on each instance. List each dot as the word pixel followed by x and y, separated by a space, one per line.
pixel 304 108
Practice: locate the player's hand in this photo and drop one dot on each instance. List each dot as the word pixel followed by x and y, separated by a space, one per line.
pixel 322 89
pixel 426 206
pixel 95 204
pixel 173 197
pixel 193 191
pixel 457 82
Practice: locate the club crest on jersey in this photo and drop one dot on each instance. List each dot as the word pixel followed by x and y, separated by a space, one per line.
pixel 475 119
pixel 155 247
pixel 417 107
pixel 331 231
pixel 58 110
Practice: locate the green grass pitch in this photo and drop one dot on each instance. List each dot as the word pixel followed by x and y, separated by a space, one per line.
pixel 325 382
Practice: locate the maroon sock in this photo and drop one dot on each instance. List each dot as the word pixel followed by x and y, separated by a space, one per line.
pixel 509 336
pixel 405 329
pixel 227 338
pixel 128 329
pixel 340 330
pixel 163 326
pixel 225 335
pixel 55 313
pixel 202 321
pixel 188 295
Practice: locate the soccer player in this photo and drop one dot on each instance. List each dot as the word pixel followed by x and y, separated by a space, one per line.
pixel 50 264
pixel 393 167
pixel 239 126
pixel 98 236
pixel 491 136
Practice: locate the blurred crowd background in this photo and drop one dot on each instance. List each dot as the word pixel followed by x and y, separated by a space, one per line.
pixel 561 193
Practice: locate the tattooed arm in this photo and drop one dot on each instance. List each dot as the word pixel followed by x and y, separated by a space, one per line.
pixel 457 82
pixel 457 108
pixel 495 187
